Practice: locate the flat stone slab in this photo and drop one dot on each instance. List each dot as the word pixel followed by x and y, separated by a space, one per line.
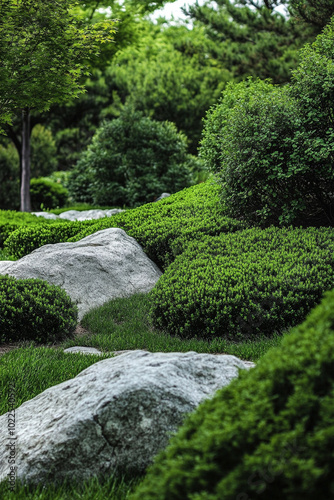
pixel 115 416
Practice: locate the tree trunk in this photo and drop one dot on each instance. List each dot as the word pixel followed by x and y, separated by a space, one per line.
pixel 25 179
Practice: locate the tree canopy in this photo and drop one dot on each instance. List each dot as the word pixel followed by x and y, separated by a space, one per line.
pixel 44 47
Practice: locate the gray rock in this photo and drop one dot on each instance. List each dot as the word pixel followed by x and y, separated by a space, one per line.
pixel 112 417
pixel 46 215
pixel 83 350
pixel 163 195
pixel 80 215
pixel 103 266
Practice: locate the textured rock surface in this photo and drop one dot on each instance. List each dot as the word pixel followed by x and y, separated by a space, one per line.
pixel 80 215
pixel 114 416
pixel 103 266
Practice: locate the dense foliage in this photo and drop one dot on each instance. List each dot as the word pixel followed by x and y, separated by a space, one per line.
pixel 11 220
pixel 31 309
pixel 9 178
pixel 131 161
pixel 244 284
pixel 22 239
pixel 268 435
pixel 46 193
pixel 272 147
pixel 254 38
pixel 189 213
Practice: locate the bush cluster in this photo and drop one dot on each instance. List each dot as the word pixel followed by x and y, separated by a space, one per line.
pixel 24 240
pixel 242 285
pixel 183 216
pixel 32 309
pixel 272 148
pixel 268 435
pixel 46 193
pixel 132 160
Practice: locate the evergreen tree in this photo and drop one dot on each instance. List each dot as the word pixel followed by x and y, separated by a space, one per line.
pixel 253 37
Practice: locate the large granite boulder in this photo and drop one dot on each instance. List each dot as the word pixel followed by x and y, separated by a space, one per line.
pixel 112 417
pixel 103 266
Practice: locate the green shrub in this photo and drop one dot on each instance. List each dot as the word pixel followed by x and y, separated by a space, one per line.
pixel 195 210
pixel 313 88
pixel 273 148
pixel 32 309
pixel 132 160
pixel 45 193
pixel 11 220
pixel 24 240
pixel 261 163
pixel 217 118
pixel 242 285
pixel 269 435
pixel 182 216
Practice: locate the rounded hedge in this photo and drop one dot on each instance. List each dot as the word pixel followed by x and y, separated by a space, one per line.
pixel 269 435
pixel 131 161
pixel 32 309
pixel 244 284
pixel 272 147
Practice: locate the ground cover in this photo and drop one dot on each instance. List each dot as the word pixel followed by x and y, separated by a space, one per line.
pixel 167 230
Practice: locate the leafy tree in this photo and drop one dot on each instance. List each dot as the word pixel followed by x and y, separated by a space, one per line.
pixel 251 37
pixel 43 49
pixel 169 76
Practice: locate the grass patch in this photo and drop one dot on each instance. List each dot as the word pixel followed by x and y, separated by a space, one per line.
pixel 93 489
pixel 35 369
pixel 126 324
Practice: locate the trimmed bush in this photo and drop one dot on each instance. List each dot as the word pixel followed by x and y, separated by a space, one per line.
pixel 269 435
pixel 272 148
pixel 45 193
pixel 244 284
pixel 192 211
pixel 24 240
pixel 32 309
pixel 132 160
pixel 11 220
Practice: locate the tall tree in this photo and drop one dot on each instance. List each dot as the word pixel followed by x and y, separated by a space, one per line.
pixel 317 13
pixel 253 37
pixel 44 49
pixel 169 76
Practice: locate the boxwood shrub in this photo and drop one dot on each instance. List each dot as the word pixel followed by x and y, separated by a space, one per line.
pixel 24 240
pixel 244 284
pixel 269 435
pixel 193 211
pixel 10 220
pixel 32 309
